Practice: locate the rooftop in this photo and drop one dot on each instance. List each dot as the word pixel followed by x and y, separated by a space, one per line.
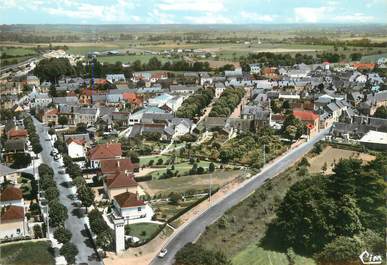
pixel 128 199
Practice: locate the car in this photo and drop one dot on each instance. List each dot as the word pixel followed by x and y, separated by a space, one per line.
pixel 61 172
pixel 56 157
pixel 47 139
pixel 162 253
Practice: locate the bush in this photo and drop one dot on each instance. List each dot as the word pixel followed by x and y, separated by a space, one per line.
pixel 69 251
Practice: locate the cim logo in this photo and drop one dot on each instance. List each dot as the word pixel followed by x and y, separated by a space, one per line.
pixel 369 259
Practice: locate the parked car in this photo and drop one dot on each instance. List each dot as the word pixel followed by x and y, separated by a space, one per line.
pixel 163 252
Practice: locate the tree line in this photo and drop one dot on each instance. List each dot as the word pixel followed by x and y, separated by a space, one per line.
pixel 334 217
pixel 227 102
pixel 195 103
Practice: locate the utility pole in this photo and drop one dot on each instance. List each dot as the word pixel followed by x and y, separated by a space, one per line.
pixel 210 190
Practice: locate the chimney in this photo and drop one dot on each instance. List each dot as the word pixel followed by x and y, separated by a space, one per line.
pixel 118 163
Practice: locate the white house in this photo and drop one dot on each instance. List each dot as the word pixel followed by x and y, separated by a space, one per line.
pixel 76 148
pixel 255 69
pixel 11 196
pixel 219 89
pixel 112 78
pixel 131 209
pixel 182 126
pixel 13 222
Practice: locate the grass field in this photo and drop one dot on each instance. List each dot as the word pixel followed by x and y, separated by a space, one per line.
pixel 246 223
pixel 254 255
pixel 143 230
pixel 188 183
pixel 183 168
pixel 164 210
pixel 144 58
pixel 31 253
pixel 17 51
pixel 332 155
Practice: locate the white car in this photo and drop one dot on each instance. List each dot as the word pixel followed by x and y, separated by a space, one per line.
pixel 163 252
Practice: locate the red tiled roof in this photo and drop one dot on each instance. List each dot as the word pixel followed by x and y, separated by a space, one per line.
pixel 11 194
pixel 364 65
pixel 12 213
pixel 14 132
pixel 128 199
pixel 110 166
pixel 52 112
pixel 77 141
pixel 121 180
pixel 305 115
pixel 158 75
pixel 105 151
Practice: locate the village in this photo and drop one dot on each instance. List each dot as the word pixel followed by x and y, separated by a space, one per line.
pixel 134 156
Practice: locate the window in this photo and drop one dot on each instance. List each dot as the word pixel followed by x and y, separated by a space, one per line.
pixel 139 209
pixel 18 231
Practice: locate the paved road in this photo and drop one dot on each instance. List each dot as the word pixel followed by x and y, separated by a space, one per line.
pixel 192 230
pixel 73 223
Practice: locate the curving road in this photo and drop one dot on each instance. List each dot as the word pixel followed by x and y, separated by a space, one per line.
pixel 192 230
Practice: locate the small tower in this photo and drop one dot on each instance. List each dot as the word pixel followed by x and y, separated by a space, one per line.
pixel 119 231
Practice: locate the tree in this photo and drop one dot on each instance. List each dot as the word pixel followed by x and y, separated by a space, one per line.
pixel 69 251
pixel 21 160
pixel 97 223
pixel 159 161
pixel 86 195
pixel 37 148
pixel 356 56
pixel 341 250
pixel 174 198
pixel 81 128
pixel 38 233
pixel 105 239
pixel 52 193
pixel 381 112
pixel 304 162
pixel 57 212
pixel 200 170
pixel 63 120
pixel 211 167
pixel 194 254
pixel 62 235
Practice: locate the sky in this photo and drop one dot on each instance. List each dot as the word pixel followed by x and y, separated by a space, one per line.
pixel 192 11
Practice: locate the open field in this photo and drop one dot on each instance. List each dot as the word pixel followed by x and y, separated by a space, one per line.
pixel 373 58
pixel 331 155
pixel 183 168
pixel 188 183
pixel 144 58
pixel 165 210
pixel 17 51
pixel 31 253
pixel 254 255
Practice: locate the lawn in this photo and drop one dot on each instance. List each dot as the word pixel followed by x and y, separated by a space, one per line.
pixel 144 160
pixel 31 253
pixel 331 155
pixel 144 58
pixel 182 168
pixel 192 183
pixel 143 230
pixel 165 210
pixel 17 51
pixel 254 255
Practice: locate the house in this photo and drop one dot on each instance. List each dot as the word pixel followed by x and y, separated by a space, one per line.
pixel 76 147
pixel 130 208
pixel 103 152
pixel 311 119
pixel 40 100
pixel 50 116
pixel 8 174
pixel 71 100
pixel 219 89
pixel 182 89
pixel 11 196
pixel 182 126
pixel 111 166
pixel 113 78
pixel 85 115
pixel 373 102
pixel 8 101
pixel 32 81
pixel 160 100
pixel 13 223
pixel 375 140
pixel 133 99
pixel 233 74
pixel 17 133
pixel 13 146
pixel 255 69
pixel 136 117
pixel 205 79
pixel 120 182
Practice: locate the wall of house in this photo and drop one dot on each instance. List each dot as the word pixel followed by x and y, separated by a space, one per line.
pixel 10 229
pixel 11 177
pixel 133 213
pixel 75 150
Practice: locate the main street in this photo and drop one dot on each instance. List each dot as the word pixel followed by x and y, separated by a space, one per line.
pixel 73 223
pixel 192 230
